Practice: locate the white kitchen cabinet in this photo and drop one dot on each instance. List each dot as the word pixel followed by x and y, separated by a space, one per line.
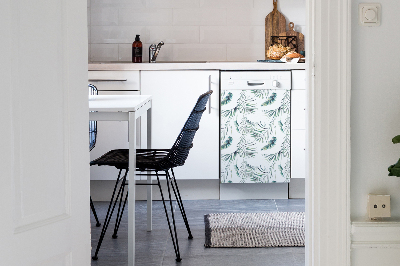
pixel 112 134
pixel 298 112
pixel 298 79
pixel 298 124
pixel 298 154
pixel 115 80
pixel 174 96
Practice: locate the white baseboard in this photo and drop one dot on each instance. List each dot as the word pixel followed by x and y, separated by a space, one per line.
pixel 297 188
pixel 101 190
pixel 375 243
pixel 254 191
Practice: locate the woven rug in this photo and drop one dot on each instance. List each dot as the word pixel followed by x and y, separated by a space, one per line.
pixel 238 230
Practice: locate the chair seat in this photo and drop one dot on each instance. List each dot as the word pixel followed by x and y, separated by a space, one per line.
pixel 146 159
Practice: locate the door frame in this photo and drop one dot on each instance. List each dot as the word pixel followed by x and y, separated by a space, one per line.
pixel 328 221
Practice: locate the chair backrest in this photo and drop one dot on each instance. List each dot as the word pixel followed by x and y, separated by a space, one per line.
pixel 180 150
pixel 92 124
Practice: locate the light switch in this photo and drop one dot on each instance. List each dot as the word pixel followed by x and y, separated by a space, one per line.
pixel 369 14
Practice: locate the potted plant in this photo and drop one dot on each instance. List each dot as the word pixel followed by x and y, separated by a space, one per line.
pixel 394 170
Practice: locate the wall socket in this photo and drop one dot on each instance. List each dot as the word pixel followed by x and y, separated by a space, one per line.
pixel 378 206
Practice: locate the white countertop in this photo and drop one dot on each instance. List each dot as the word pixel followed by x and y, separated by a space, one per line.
pixel 196 66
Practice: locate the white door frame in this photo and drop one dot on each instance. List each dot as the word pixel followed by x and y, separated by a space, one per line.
pixel 329 82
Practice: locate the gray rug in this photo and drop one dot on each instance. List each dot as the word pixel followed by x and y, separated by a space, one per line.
pixel 271 229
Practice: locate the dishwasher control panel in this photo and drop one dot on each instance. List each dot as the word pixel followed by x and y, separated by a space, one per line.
pixel 251 80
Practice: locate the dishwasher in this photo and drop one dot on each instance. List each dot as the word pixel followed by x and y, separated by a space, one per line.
pixel 255 126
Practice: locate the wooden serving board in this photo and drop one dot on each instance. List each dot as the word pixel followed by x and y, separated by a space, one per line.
pixel 275 23
pixel 299 36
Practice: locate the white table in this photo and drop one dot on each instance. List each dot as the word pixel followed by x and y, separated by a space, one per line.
pixel 127 108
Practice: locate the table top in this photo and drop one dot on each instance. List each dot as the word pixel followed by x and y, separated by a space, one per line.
pixel 117 103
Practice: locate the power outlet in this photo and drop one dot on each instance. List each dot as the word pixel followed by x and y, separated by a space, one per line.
pixel 378 206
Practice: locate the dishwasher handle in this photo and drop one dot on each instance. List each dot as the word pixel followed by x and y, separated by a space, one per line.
pixel 249 83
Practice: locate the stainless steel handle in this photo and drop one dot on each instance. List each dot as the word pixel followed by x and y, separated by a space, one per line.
pixel 209 99
pixel 254 83
pixel 100 80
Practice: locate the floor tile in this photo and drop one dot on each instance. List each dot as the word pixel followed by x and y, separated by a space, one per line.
pixel 155 248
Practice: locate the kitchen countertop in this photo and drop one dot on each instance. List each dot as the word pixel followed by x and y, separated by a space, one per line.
pixel 195 66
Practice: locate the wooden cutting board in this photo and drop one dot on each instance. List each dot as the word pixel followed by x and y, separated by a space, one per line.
pixel 275 23
pixel 292 32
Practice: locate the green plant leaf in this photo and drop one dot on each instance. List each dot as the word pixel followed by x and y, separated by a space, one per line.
pixel 396 139
pixel 227 98
pixel 271 143
pixel 227 143
pixel 394 170
pixel 270 100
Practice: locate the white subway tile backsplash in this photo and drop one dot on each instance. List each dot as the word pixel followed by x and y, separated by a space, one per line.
pixel 246 53
pixel 199 52
pixel 145 17
pixel 115 34
pixel 239 4
pixel 125 52
pixel 294 10
pixel 266 5
pixel 104 52
pixel 226 4
pixel 214 3
pixel 172 3
pixel 246 17
pixel 119 3
pixel 258 35
pixel 199 16
pixel 192 30
pixel 173 34
pixel 105 16
pixel 224 34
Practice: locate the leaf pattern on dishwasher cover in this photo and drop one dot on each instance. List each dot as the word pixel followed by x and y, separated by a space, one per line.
pixel 255 136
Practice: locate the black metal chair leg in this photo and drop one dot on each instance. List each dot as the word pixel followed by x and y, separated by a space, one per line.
pixel 109 214
pixel 120 212
pixel 180 203
pixel 178 257
pixel 176 247
pixel 94 213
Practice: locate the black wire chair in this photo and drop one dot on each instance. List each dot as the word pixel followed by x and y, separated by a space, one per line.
pixel 92 143
pixel 149 161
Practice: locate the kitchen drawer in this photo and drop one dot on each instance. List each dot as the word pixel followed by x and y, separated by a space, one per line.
pixel 298 105
pixel 115 80
pixel 298 79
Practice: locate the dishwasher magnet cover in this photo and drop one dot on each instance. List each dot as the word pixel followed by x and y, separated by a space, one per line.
pixel 255 136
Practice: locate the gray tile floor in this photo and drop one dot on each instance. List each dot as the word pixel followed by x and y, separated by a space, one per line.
pixel 155 248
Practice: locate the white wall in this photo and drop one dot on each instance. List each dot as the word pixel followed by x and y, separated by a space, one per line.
pixel 375 120
pixel 375 108
pixel 193 30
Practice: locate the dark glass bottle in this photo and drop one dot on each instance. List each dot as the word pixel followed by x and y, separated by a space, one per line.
pixel 137 50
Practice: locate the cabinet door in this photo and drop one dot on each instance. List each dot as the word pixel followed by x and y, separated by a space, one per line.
pixel 298 153
pixel 174 96
pixel 298 104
